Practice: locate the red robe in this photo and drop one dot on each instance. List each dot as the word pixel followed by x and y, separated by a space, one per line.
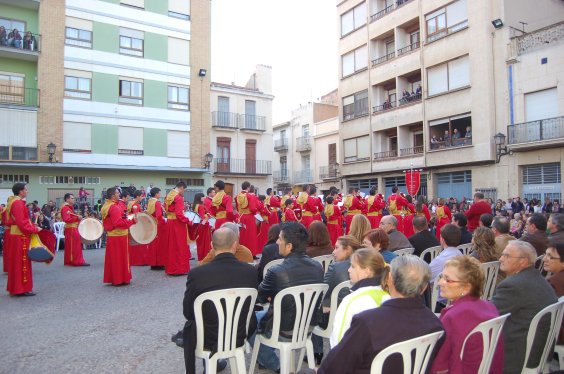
pixel 20 275
pixel 308 207
pixel 273 203
pixel 73 245
pixel 247 207
pixel 138 254
pixel 334 222
pixel 203 237
pixel 354 206
pixel 222 209
pixel 409 212
pixel 178 261
pixel 116 263
pixel 476 210
pixel 158 247
pixel 7 222
pixel 395 204
pixel 374 206
pixel 264 226
pixel 444 217
pixel 289 216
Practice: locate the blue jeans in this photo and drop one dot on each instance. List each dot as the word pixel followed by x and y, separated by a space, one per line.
pixel 266 356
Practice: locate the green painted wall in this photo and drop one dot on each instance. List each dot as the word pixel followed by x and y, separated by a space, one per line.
pixel 104 139
pixel 29 68
pixel 154 142
pixel 105 37
pixel 29 16
pixel 157 6
pixel 156 47
pixel 155 94
pixel 112 1
pixel 105 87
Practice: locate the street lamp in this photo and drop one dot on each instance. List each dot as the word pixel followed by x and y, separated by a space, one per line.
pixel 208 158
pixel 502 150
pixel 497 23
pixel 51 148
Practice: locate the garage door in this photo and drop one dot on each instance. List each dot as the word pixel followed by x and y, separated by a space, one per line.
pixel 457 185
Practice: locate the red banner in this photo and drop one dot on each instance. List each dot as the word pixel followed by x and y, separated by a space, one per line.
pixel 412 181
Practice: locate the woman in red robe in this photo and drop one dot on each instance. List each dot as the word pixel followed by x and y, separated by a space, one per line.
pixel 7 222
pixel 333 215
pixel 265 224
pixel 178 260
pixel 139 253
pixel 73 244
pixel 203 233
pixel 158 247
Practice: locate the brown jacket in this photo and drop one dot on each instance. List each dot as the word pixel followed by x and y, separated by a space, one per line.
pixel 242 254
pixel 538 239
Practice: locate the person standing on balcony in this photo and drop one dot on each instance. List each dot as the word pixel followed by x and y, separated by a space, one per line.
pixel 82 195
pixel 29 42
pixel 247 207
pixel 3 37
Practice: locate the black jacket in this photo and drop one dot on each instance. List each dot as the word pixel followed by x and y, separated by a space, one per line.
pixel 423 240
pixel 269 253
pixel 465 235
pixel 297 269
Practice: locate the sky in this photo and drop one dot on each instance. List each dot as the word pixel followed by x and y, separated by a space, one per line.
pixel 298 38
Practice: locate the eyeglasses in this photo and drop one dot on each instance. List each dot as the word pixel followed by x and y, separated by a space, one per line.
pixel 507 256
pixel 549 257
pixel 444 277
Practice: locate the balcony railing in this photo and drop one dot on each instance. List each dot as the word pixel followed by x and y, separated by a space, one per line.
pixel 242 166
pixel 386 106
pixel 11 153
pixel 329 172
pixel 281 176
pixel 303 176
pixel 450 143
pixel 251 122
pixel 385 154
pixel 357 109
pixel 13 95
pixel 410 99
pixel 23 42
pixel 447 31
pixel 224 120
pixel 303 143
pixel 381 60
pixel 545 129
pixel 388 9
pixel 409 48
pixel 281 144
pixel 411 151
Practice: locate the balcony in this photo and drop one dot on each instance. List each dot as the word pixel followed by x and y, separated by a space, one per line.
pixel 252 123
pixel 19 96
pixel 25 46
pixel 450 143
pixel 242 166
pixel 382 108
pixel 549 131
pixel 410 99
pixel 303 144
pixel 385 58
pixel 447 31
pixel 535 40
pixel 329 172
pixel 388 9
pixel 224 120
pixel 281 145
pixel 303 176
pixel 281 176
pixel 11 153
pixel 409 48
pixel 385 155
pixel 411 151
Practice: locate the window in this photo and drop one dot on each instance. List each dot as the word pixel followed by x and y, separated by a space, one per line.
pixel 353 19
pixel 134 3
pixel 305 131
pixel 223 154
pixel 447 20
pixel 52 179
pixel 355 105
pixel 178 51
pixel 449 132
pixel 77 137
pixel 130 140
pixel 449 76
pixel 178 144
pixel 131 42
pixel 250 114
pixel 541 105
pixel 22 136
pixel 14 178
pixel 355 61
pixel 357 149
pixel 10 24
pixel 12 89
pixel 78 87
pixel 130 92
pixel 179 9
pixel 178 97
pixel 78 32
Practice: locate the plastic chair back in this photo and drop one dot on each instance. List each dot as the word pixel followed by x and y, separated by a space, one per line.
pixel 431 253
pixel 490 270
pixel 404 251
pixel 466 249
pixel 325 261
pixel 434 293
pixel 326 333
pixel 271 264
pixel 490 331
pixel 423 347
pixel 59 231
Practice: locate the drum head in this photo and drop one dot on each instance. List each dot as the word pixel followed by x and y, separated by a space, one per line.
pixel 90 230
pixel 145 230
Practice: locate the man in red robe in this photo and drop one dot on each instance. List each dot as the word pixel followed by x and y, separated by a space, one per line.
pixel 479 207
pixel 247 207
pixel 116 262
pixel 395 204
pixel 178 261
pixel 374 205
pixel 7 222
pixel 20 275
pixel 333 215
pixel 208 199
pixel 73 244
pixel 158 247
pixel 272 202
pixel 222 205
pixel 354 205
pixel 139 253
pixel 307 206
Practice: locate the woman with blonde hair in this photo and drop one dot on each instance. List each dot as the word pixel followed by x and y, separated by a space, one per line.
pixel 360 225
pixel 365 271
pixel 484 245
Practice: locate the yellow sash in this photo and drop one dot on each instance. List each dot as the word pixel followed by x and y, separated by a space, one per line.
pixel 242 201
pixel 151 205
pixel 329 210
pixel 218 198
pixel 440 212
pixel 170 199
pixel 106 208
pixel 11 199
pixel 348 201
pixel 302 199
pixel 370 201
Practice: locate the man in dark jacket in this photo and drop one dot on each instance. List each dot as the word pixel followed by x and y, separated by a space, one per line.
pixel 423 238
pixel 556 226
pixel 535 232
pixel 296 270
pixel 224 272
pixel 460 220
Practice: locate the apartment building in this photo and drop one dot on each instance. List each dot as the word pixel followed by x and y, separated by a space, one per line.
pixel 241 132
pixel 423 85
pixel 103 93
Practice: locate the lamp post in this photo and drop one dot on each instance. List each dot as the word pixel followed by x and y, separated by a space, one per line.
pixel 208 158
pixel 501 150
pixel 51 148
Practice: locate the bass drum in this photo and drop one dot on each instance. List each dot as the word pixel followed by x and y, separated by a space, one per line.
pixel 144 231
pixel 90 230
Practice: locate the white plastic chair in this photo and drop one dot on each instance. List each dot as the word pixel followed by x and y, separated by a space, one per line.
pixel 555 311
pixel 271 264
pixel 326 333
pixel 431 253
pixel 423 347
pixel 539 263
pixel 59 231
pixel 490 270
pixel 490 331
pixel 434 294
pixel 466 249
pixel 232 300
pixel 325 261
pixel 307 298
pixel 404 251
pixel 559 350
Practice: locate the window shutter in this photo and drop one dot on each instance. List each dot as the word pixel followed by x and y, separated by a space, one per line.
pixel 130 138
pixel 178 144
pixel 77 136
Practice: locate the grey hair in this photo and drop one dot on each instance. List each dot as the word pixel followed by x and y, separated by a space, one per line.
pixel 231 226
pixel 410 275
pixel 558 220
pixel 391 219
pixel 525 250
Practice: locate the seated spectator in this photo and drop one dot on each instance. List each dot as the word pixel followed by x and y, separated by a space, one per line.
pixel 29 42
pixel 446 138
pixel 554 263
pixel 485 220
pixel 468 134
pixel 378 241
pixel 296 270
pixel 338 271
pixel 523 293
pixel 483 242
pixel 242 253
pixel 516 225
pixel 15 39
pixel 407 280
pixel 366 271
pixel 398 240
pixel 461 282
pixel 450 239
pixel 423 238
pixel 418 90
pixel 555 226
pixel 556 206
pixel 460 220
pixel 535 232
pixel 270 250
pixel 435 141
pixel 318 240
pixel 500 228
pixel 360 225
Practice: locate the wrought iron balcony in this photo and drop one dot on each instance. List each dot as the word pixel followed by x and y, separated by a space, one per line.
pixel 14 95
pixel 411 151
pixel 281 144
pixel 536 131
pixel 385 155
pixel 381 60
pixel 25 43
pixel 386 106
pixel 410 99
pixel 224 120
pixel 242 166
pixel 303 144
pixel 303 176
pixel 250 122
pixel 329 172
pixel 409 48
pixel 281 176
